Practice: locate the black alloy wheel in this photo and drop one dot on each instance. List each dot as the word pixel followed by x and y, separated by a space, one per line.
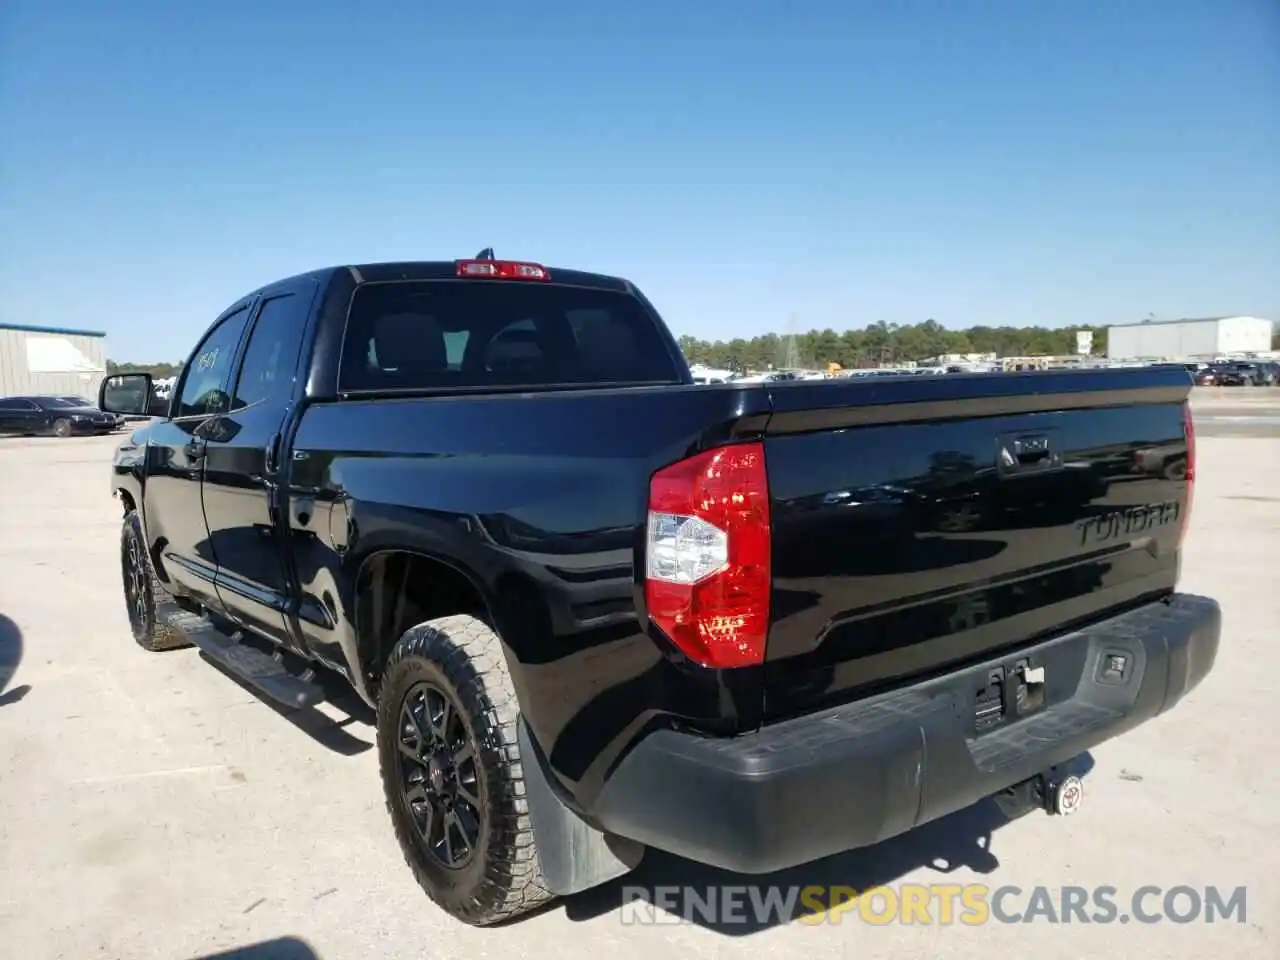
pixel 137 585
pixel 439 779
pixel 452 770
pixel 144 596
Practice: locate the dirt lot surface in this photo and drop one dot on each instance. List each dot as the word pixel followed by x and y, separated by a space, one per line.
pixel 152 807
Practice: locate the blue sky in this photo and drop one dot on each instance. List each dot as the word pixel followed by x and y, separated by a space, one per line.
pixel 976 161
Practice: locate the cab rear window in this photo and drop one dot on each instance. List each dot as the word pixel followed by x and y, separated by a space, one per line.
pixel 475 334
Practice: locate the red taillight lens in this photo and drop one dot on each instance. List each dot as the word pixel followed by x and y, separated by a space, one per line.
pixel 707 555
pixel 502 270
pixel 1189 430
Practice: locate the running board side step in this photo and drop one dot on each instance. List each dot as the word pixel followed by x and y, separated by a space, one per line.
pixel 268 675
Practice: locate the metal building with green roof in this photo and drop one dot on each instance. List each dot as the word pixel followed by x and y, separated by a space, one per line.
pixel 51 360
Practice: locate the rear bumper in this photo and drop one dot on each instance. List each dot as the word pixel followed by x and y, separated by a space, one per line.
pixel 855 775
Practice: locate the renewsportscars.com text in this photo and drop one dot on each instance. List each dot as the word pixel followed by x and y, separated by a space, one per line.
pixel 932 904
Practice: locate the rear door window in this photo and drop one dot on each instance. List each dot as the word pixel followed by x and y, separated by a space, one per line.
pixel 271 357
pixel 477 334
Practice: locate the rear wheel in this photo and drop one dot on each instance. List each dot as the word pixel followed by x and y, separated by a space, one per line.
pixel 452 774
pixel 141 589
pixel 62 428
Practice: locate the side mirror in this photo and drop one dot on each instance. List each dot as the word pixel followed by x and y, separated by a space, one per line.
pixel 127 393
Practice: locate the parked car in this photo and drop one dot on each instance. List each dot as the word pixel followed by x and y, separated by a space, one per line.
pixel 1222 375
pixel 1240 373
pixel 772 376
pixel 91 404
pixel 598 608
pixel 52 416
pixel 1260 373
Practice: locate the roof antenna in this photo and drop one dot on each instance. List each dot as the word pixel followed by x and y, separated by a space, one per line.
pixel 485 254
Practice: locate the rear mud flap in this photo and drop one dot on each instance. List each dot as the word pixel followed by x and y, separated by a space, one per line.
pixel 574 856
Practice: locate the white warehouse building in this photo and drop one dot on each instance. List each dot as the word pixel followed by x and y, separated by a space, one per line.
pixel 1188 339
pixel 51 360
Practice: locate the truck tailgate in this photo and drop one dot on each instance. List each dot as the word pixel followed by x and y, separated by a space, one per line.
pixel 919 525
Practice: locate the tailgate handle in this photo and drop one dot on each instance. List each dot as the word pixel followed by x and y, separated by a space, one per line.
pixel 1025 452
pixel 1031 449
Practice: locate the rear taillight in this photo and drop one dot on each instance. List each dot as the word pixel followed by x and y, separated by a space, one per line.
pixel 502 270
pixel 1189 431
pixel 707 555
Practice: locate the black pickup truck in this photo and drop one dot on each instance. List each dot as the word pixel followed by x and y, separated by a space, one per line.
pixel 598 608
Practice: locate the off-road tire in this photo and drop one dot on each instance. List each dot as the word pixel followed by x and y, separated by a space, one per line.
pixel 62 429
pixel 462 657
pixel 149 630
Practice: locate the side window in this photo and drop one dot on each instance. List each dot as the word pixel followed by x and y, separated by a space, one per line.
pixel 271 358
pixel 203 390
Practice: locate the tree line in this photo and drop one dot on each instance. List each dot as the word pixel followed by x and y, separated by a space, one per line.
pixel 160 371
pixel 875 344
pixel 885 343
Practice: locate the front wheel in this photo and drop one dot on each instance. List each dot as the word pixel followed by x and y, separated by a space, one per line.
pixel 142 588
pixel 62 428
pixel 451 771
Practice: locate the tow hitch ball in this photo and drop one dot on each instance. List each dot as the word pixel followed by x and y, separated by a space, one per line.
pixel 1053 792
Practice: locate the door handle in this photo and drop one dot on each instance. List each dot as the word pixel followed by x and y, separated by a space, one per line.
pixel 271 463
pixel 195 448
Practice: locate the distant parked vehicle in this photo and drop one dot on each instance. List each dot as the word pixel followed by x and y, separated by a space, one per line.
pixel 972 368
pixel 86 402
pixel 703 374
pixel 1221 375
pixel 773 376
pixel 52 416
pixel 1239 374
pixel 1260 373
